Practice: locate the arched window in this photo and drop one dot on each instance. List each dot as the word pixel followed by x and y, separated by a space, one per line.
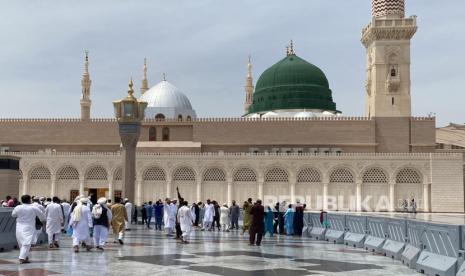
pixel 152 134
pixel 408 175
pixel 68 173
pixel 159 117
pixel 341 176
pixel 154 174
pixel 189 118
pixel 96 173
pixel 308 175
pixel 184 174
pixel 40 173
pixel 245 175
pixel 179 117
pixel 166 134
pixel 374 175
pixel 214 174
pixel 393 72
pixel 276 175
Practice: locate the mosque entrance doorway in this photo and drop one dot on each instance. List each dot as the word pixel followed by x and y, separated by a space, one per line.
pixel 96 193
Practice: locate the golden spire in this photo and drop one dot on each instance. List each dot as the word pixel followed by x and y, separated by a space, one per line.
pixel 131 90
pixel 291 48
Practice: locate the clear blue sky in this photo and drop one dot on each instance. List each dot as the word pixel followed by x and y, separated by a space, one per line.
pixel 202 46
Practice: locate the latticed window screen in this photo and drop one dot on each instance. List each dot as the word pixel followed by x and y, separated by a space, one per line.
pixel 408 175
pixel 308 175
pixel 276 175
pixel 40 173
pixel 68 173
pixel 154 173
pixel 341 176
pixel 97 173
pixel 245 175
pixel 375 175
pixel 184 174
pixel 214 174
pixel 118 174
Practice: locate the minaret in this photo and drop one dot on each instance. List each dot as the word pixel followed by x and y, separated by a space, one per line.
pixel 387 42
pixel 248 87
pixel 145 83
pixel 85 97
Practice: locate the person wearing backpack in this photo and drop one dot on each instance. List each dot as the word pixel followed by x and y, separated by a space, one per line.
pixel 102 216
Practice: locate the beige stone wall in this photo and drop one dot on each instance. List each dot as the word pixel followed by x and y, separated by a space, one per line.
pixel 402 134
pixel 434 180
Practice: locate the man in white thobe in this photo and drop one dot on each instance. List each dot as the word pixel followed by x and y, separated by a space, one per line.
pixel 185 220
pixel 66 207
pixel 81 221
pixel 26 215
pixel 55 219
pixel 208 216
pixel 36 203
pixel 169 217
pixel 128 206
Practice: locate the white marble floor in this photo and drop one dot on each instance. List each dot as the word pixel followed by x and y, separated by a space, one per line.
pixel 210 253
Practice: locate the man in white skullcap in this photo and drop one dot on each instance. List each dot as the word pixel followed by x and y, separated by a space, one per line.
pixel 102 220
pixel 81 221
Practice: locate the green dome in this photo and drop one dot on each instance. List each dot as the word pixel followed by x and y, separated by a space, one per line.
pixel 292 83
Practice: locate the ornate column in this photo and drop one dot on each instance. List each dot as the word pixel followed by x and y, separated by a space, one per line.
pixel 25 183
pixel 358 194
pixel 392 196
pixel 292 183
pixel 168 186
pixel 53 190
pixel 426 204
pixel 111 191
pixel 261 180
pixel 139 191
pixel 81 185
pixel 229 197
pixel 325 193
pixel 199 188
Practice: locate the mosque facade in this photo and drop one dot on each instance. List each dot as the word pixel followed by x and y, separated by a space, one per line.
pixel 292 142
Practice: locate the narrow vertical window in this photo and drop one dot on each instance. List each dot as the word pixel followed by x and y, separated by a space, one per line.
pixel 152 134
pixel 392 100
pixel 166 134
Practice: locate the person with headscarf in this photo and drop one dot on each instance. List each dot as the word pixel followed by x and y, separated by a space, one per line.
pixel 224 217
pixel 289 220
pixel 269 219
pixel 247 216
pixel 26 216
pixel 298 223
pixel 81 221
pixel 102 219
pixel 119 219
pixel 55 219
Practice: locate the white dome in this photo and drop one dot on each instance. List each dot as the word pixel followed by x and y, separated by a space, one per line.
pixel 165 98
pixel 164 94
pixel 270 114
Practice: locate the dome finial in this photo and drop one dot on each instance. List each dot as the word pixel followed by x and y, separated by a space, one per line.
pixel 291 48
pixel 86 62
pixel 131 90
pixel 164 77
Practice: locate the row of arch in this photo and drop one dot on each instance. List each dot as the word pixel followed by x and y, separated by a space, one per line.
pixel 158 182
pixel 276 174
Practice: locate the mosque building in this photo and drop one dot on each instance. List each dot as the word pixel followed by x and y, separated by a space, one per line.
pixel 291 143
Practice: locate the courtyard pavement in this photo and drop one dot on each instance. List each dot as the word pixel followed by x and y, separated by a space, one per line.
pixel 150 252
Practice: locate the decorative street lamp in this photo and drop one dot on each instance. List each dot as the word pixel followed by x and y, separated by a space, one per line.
pixel 129 112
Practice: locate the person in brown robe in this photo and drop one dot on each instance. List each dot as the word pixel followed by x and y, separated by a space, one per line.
pixel 256 227
pixel 119 219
